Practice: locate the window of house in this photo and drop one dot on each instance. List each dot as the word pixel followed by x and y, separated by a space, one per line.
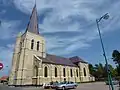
pixel 64 72
pixel 77 72
pixel 71 72
pixel 23 43
pixel 55 72
pixel 45 72
pixel 20 45
pixel 32 44
pixel 36 71
pixel 84 72
pixel 37 45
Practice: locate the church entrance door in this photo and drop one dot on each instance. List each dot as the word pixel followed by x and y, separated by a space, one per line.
pixel 34 81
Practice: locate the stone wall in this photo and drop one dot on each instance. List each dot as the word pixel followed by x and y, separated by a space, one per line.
pixel 84 78
pixel 40 79
pixel 51 74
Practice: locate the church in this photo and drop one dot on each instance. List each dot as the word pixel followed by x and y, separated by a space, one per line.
pixel 32 65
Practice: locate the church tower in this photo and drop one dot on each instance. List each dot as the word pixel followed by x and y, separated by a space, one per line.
pixel 29 46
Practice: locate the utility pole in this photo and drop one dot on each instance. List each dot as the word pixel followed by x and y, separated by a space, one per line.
pixel 0 22
pixel 106 16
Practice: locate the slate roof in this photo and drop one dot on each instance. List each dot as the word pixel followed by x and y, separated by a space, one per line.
pixel 33 23
pixel 53 59
pixel 77 59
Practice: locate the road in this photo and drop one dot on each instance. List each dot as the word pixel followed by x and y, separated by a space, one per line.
pixel 84 86
pixel 95 86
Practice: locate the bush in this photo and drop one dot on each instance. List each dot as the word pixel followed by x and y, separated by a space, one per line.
pixel 118 77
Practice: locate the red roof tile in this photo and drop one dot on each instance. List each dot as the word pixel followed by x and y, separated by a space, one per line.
pixel 4 78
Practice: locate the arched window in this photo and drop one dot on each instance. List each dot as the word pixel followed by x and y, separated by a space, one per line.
pixel 45 72
pixel 20 45
pixel 55 72
pixel 23 43
pixel 37 45
pixel 32 44
pixel 77 72
pixel 71 72
pixel 64 72
pixel 84 72
pixel 36 71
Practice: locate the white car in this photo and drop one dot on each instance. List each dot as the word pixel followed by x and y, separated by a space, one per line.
pixel 67 85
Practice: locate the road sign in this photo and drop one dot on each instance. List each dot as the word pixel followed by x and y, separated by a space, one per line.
pixel 1 66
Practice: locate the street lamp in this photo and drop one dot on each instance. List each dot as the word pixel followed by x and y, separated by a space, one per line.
pixel 0 22
pixel 106 16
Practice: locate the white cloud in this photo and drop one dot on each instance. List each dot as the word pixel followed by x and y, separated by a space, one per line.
pixel 8 29
pixel 72 16
pixel 5 58
pixel 6 2
pixel 5 51
pixel 11 46
pixel 2 12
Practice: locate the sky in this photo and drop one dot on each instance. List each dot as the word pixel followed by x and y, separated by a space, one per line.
pixel 68 26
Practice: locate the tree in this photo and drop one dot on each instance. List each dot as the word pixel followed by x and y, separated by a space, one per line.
pixel 112 70
pixel 92 69
pixel 116 57
pixel 118 70
pixel 115 73
pixel 99 71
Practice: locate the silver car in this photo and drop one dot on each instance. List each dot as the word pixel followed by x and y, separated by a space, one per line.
pixel 67 85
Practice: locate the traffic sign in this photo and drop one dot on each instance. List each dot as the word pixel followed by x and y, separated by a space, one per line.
pixel 1 66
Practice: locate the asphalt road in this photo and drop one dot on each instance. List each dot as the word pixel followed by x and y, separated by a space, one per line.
pixel 84 86
pixel 95 86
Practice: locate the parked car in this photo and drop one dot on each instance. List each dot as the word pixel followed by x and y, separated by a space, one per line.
pixel 53 86
pixel 115 82
pixel 50 85
pixel 47 86
pixel 67 85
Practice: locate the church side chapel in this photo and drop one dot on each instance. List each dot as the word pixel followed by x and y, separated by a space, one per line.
pixel 32 65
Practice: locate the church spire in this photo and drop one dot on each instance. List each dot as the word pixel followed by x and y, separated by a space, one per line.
pixel 33 23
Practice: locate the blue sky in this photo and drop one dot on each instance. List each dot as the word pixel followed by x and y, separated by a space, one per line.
pixel 68 26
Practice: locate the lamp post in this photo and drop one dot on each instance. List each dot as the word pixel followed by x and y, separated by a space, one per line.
pixel 0 22
pixel 106 16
